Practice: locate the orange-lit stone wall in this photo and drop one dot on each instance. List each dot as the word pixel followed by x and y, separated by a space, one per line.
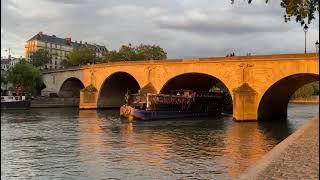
pixel 261 73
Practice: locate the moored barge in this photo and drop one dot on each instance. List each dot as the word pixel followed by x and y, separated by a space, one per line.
pixel 165 106
pixel 14 102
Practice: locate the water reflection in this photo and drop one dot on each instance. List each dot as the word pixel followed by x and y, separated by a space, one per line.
pixel 73 144
pixel 244 145
pixel 214 146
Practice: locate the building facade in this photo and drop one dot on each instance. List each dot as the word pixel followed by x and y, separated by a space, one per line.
pixel 59 48
pixel 6 63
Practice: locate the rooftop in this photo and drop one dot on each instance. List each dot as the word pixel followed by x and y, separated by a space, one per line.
pixel 5 61
pixel 65 41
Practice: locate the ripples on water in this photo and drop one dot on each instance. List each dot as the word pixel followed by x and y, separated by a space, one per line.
pixel 72 144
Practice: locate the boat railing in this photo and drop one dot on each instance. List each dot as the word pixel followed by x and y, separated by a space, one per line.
pixel 154 101
pixel 133 98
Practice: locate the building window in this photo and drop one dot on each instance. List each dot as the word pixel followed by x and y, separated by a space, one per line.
pixel 55 46
pixel 55 62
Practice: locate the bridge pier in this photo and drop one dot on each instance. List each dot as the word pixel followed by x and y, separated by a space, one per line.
pixel 245 104
pixel 88 100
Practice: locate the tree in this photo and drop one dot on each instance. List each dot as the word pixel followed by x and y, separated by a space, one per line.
pixel 302 10
pixel 65 63
pixel 25 74
pixel 305 91
pixel 112 56
pixel 4 78
pixel 40 58
pixel 141 52
pixel 148 52
pixel 81 56
pixel 127 53
pixel 315 86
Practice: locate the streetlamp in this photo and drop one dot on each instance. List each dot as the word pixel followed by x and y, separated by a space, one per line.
pixel 305 29
pixel 317 47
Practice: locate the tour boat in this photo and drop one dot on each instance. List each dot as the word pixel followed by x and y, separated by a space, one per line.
pixel 164 106
pixel 14 102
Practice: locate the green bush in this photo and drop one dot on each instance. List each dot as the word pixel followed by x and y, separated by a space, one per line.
pixel 89 88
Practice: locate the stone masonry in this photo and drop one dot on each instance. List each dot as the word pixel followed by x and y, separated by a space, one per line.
pixel 297 157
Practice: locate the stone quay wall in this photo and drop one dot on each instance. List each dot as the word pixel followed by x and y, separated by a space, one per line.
pixel 54 102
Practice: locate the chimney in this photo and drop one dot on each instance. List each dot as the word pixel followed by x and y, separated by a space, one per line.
pixel 40 34
pixel 68 40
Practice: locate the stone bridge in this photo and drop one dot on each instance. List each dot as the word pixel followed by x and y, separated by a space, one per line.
pixel 260 86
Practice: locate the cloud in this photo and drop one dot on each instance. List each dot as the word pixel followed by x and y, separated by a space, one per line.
pixel 209 25
pixel 184 28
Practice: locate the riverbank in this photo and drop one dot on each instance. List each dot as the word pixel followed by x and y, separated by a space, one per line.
pixel 296 157
pixel 307 100
pixel 46 102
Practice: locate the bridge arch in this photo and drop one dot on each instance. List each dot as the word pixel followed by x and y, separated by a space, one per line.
pixel 197 82
pixel 274 102
pixel 113 89
pixel 71 88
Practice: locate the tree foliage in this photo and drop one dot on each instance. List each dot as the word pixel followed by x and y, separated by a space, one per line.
pixel 90 88
pixel 146 52
pixel 307 90
pixel 40 58
pixel 25 74
pixel 141 52
pixel 125 53
pixel 65 63
pixel 80 56
pixel 303 11
pixel 112 56
pixel 4 79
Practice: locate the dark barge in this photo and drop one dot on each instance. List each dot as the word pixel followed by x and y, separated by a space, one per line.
pixel 164 106
pixel 14 102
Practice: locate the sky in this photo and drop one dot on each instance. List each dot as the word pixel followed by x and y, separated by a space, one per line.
pixel 183 28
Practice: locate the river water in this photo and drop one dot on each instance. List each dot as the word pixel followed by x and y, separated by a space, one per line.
pixel 71 144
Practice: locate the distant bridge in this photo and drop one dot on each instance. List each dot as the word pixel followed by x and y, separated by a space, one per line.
pixel 260 86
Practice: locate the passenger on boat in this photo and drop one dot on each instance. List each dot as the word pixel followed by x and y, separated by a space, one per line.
pixel 127 96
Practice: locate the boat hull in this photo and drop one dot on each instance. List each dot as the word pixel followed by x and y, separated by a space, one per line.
pixel 15 105
pixel 132 113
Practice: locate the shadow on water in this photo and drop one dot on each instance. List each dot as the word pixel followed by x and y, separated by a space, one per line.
pixel 275 129
pixel 36 114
